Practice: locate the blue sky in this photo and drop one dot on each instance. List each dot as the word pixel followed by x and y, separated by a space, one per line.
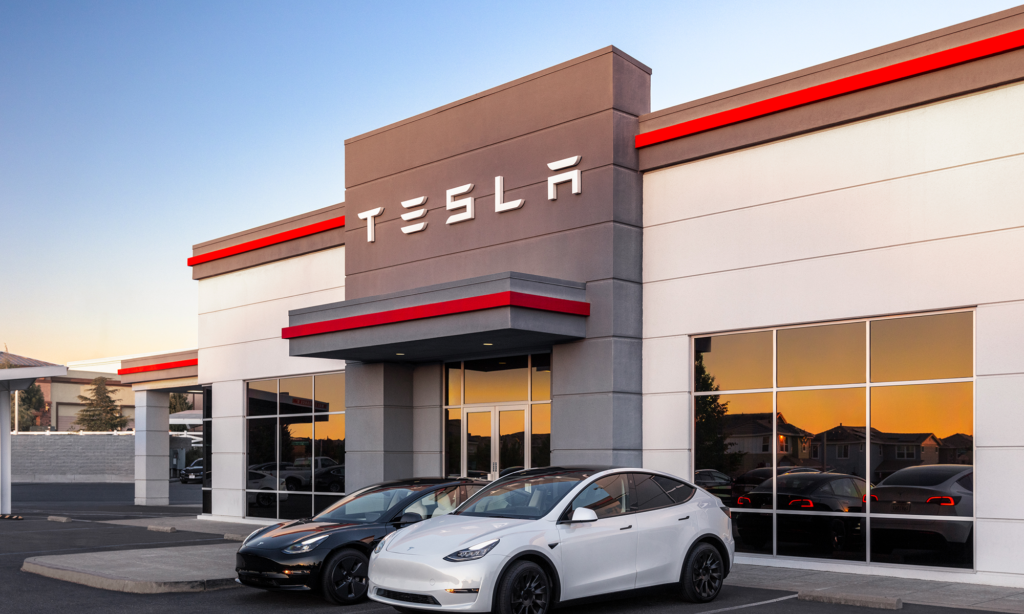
pixel 131 130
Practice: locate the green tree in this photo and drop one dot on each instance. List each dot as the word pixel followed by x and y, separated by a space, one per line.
pixel 30 404
pixel 179 402
pixel 711 450
pixel 101 411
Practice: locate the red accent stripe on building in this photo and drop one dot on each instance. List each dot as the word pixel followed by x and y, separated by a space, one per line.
pixel 159 367
pixel 433 310
pixel 846 85
pixel 281 237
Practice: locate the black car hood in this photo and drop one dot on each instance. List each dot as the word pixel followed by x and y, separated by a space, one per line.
pixel 284 535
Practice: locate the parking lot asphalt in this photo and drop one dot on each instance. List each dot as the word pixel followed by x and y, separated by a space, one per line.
pixel 22 593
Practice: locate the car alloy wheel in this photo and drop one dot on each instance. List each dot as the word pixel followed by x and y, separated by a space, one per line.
pixel 525 589
pixel 703 574
pixel 334 487
pixel 264 500
pixel 344 577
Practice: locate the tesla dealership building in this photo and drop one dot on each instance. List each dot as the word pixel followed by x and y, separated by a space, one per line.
pixel 818 273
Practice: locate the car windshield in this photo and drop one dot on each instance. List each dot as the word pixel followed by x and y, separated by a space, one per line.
pixel 924 476
pixel 368 505
pixel 794 482
pixel 528 496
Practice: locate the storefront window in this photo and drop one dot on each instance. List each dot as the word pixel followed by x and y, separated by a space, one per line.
pixel 870 464
pixel 295 445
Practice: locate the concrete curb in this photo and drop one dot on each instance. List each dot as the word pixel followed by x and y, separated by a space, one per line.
pixel 59 519
pixel 112 583
pixel 864 601
pixel 159 529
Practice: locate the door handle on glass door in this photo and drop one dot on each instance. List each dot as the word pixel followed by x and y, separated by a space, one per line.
pixel 624 528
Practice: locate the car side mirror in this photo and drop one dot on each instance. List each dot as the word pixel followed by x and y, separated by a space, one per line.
pixel 584 514
pixel 409 518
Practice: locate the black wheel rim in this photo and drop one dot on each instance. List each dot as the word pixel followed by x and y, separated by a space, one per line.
pixel 349 578
pixel 530 593
pixel 838 537
pixel 707 574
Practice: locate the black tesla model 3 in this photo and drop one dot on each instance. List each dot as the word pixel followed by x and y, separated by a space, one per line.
pixel 330 552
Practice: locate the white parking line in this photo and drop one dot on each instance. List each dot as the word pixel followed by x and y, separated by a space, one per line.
pixel 749 605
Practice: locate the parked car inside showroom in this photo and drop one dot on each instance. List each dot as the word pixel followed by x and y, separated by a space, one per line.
pixel 330 552
pixel 540 537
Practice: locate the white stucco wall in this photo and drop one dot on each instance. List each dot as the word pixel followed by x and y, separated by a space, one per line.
pixel 241 315
pixel 914 211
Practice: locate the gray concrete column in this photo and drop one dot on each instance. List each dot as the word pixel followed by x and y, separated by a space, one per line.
pixel 378 423
pixel 5 452
pixel 427 420
pixel 152 447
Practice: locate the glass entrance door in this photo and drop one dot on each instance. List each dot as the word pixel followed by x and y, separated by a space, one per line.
pixel 493 441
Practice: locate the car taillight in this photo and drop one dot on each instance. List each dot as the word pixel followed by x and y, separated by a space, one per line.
pixel 743 501
pixel 944 501
pixel 726 511
pixel 801 503
pixel 864 498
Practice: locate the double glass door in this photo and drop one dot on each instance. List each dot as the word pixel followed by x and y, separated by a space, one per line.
pixel 494 440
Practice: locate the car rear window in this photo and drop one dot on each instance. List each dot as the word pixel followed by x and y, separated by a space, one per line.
pixel 679 491
pixel 922 476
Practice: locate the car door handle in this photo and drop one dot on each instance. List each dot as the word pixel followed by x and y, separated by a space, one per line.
pixel 624 528
pixel 685 518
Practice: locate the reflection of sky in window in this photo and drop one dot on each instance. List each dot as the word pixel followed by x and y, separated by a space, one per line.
pixel 541 419
pixel 496 386
pixel 300 387
pixel 513 421
pixel 941 409
pixel 822 355
pixel 754 403
pixel 330 389
pixel 820 410
pixel 925 347
pixel 331 428
pixel 740 362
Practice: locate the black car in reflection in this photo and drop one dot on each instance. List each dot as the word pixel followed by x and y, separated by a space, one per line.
pixel 330 479
pixel 756 477
pixel 831 494
pixel 715 482
pixel 331 551
pixel 942 491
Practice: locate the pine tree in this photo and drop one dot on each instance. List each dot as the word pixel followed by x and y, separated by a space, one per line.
pixel 180 402
pixel 711 450
pixel 30 404
pixel 101 411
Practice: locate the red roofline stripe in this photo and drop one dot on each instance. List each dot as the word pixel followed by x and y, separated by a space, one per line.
pixel 846 85
pixel 159 367
pixel 433 310
pixel 281 237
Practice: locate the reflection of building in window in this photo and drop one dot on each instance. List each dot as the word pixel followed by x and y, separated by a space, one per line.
pixel 783 444
pixel 764 443
pixel 843 451
pixel 905 452
pixel 814 451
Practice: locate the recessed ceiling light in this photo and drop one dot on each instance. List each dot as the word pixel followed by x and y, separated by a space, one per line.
pixel 488 344
pixel 399 354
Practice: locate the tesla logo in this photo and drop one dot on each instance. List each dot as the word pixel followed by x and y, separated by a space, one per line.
pixel 464 209
pixel 260 544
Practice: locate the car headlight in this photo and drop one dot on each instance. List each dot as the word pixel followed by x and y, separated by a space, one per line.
pixel 305 545
pixel 380 544
pixel 473 552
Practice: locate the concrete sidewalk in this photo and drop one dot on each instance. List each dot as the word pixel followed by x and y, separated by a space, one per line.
pixel 186 569
pixel 921 592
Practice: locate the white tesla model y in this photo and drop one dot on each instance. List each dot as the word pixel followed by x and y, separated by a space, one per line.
pixel 539 537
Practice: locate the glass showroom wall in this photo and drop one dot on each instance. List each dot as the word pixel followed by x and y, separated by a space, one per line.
pixel 295 445
pixel 497 415
pixel 850 441
pixel 207 449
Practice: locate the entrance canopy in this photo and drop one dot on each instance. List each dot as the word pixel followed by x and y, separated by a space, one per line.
pixel 505 312
pixel 23 372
